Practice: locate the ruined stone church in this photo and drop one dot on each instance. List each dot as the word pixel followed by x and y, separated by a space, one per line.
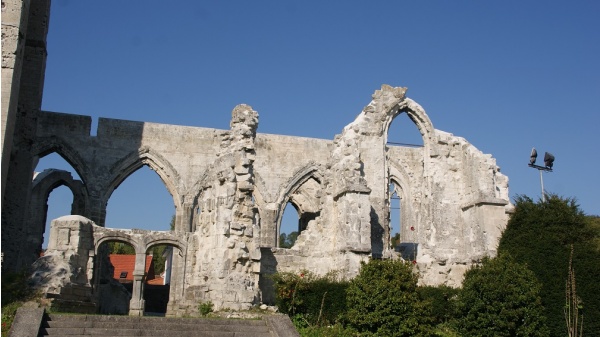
pixel 230 188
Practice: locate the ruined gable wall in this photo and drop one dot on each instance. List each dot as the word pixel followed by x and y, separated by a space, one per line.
pixel 231 186
pixel 469 204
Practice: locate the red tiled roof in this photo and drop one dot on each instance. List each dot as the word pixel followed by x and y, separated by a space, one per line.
pixel 126 263
pixel 158 281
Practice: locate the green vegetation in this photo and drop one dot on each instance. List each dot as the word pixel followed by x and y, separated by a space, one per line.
pixel 383 300
pixel 205 308
pixel 441 301
pixel 500 298
pixel 528 290
pixel 540 235
pixel 15 291
pixel 309 299
pixel 115 247
pixel 287 240
pixel 395 240
pixel 573 304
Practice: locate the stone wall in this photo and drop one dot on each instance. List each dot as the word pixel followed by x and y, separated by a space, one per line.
pixel 230 188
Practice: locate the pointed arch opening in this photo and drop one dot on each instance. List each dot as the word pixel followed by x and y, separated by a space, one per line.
pixel 141 200
pixel 289 228
pixel 57 190
pixel 304 197
pixel 403 131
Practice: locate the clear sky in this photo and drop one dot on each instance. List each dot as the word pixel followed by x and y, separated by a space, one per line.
pixel 505 75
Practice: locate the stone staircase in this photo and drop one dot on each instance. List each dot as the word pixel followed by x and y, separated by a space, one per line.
pixel 98 325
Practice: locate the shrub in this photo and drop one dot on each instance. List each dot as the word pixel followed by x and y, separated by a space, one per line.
pixel 441 301
pixel 205 308
pixel 312 299
pixel 383 300
pixel 540 234
pixel 500 298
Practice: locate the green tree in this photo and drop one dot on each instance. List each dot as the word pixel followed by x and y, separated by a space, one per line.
pixel 287 240
pixel 158 251
pixel 383 300
pixel 540 234
pixel 500 298
pixel 115 247
pixel 395 240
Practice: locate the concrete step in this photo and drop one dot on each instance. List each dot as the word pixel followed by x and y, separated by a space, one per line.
pixel 97 325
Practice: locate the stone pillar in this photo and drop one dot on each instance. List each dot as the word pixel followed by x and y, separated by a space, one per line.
pixel 136 306
pixel 184 218
pixel 268 226
pixel 353 216
pixel 15 14
pixel 17 180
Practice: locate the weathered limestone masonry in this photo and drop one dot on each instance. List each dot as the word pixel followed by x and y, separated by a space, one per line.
pixel 230 188
pixel 24 30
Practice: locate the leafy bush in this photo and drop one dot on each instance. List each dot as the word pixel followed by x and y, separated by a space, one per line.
pixel 500 298
pixel 441 301
pixel 205 308
pixel 335 330
pixel 540 234
pixel 317 300
pixel 383 300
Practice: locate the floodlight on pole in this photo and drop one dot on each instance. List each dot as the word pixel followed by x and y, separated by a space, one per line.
pixel 548 163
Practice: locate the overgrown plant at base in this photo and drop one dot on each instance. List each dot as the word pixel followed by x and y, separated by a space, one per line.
pixel 15 291
pixel 205 308
pixel 382 300
pixel 500 298
pixel 309 299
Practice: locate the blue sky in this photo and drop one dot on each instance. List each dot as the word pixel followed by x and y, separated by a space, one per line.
pixel 505 75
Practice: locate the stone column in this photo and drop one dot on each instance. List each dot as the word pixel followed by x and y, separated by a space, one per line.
pixel 184 218
pixel 15 14
pixel 268 226
pixel 136 306
pixel 17 180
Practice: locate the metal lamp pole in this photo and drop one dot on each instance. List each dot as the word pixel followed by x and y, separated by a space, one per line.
pixel 548 163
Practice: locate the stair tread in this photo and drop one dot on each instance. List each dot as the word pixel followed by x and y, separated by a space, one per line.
pixel 125 326
pixel 155 326
pixel 148 320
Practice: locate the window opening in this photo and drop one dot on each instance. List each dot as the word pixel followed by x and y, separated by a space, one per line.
pixel 141 201
pixel 404 132
pixel 395 218
pixel 289 228
pixel 60 199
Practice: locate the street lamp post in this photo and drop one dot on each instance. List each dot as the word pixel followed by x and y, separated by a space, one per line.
pixel 548 163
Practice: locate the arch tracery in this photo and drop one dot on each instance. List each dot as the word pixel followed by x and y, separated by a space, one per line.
pixel 134 161
pixel 48 145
